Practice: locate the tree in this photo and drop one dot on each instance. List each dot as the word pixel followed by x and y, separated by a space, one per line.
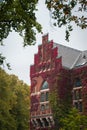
pixel 7 122
pixel 59 108
pixel 14 103
pixel 19 15
pixel 21 109
pixel 65 12
pixel 56 109
pixel 74 121
pixel 3 61
pixel 60 103
pixel 66 119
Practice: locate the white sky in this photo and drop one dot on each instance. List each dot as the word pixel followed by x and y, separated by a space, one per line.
pixel 21 58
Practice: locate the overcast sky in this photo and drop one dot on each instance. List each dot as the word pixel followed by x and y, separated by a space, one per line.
pixel 21 58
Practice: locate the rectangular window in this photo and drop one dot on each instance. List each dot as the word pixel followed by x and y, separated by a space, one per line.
pixel 80 106
pixel 77 94
pixel 47 96
pixel 76 105
pixel 80 94
pixel 42 107
pixel 78 82
pixel 74 95
pixel 42 97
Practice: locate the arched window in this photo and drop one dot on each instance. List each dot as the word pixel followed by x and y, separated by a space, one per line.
pixel 44 85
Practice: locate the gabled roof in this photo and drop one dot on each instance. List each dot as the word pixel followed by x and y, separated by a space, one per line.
pixel 71 58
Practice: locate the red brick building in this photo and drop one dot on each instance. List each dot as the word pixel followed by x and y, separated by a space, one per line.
pixel 52 62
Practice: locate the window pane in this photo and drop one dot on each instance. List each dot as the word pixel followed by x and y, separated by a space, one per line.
pixel 42 98
pixel 78 82
pixel 47 106
pixel 77 94
pixel 44 85
pixel 76 105
pixel 80 106
pixel 42 107
pixel 47 96
pixel 74 95
pixel 80 94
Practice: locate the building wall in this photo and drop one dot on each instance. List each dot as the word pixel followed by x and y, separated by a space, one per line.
pixel 43 72
pixel 79 76
pixel 47 74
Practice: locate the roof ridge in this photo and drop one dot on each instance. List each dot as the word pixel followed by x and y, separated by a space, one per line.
pixel 68 47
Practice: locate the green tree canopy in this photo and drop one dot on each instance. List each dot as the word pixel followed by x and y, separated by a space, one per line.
pixel 19 15
pixel 67 12
pixel 66 118
pixel 6 119
pixel 74 121
pixel 14 103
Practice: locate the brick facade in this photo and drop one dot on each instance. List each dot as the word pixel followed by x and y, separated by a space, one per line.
pixel 47 71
